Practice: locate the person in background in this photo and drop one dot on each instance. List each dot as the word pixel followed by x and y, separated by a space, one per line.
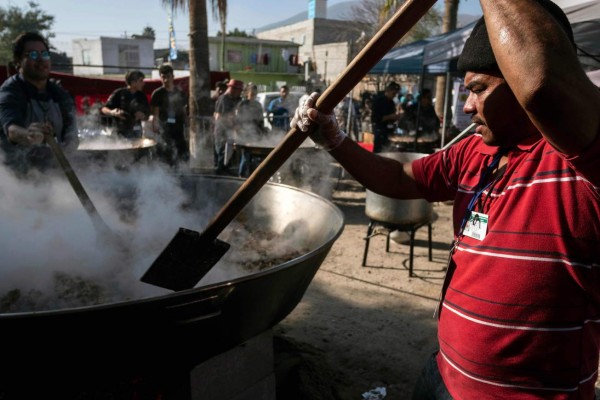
pixel 406 101
pixel 169 109
pixel 281 109
pixel 225 122
pixel 347 113
pixel 128 106
pixel 519 309
pixel 384 116
pixel 250 125
pixel 220 88
pixel 32 107
pixel 422 112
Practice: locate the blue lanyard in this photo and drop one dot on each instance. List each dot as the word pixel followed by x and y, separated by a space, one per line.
pixel 480 188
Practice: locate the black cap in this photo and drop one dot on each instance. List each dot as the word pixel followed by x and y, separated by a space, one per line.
pixel 477 54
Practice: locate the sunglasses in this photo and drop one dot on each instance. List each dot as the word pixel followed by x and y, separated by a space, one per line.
pixel 35 55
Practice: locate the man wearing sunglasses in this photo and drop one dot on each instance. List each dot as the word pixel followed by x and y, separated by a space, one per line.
pixel 32 107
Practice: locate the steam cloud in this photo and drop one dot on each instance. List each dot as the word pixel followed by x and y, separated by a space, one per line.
pixel 45 229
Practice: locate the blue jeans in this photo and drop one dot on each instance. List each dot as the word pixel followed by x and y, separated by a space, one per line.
pixel 430 385
pixel 244 167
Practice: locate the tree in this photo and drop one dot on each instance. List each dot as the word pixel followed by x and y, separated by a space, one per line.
pixel 200 106
pixel 371 15
pixel 15 20
pixel 449 24
pixel 219 8
pixel 237 33
pixel 147 33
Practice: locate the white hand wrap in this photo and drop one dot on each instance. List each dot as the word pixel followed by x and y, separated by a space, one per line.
pixel 328 136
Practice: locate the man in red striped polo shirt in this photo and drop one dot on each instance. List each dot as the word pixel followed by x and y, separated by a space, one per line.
pixel 520 316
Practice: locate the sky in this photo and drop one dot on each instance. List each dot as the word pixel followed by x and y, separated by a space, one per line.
pixel 76 19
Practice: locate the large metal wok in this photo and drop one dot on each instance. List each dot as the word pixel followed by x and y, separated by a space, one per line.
pixel 154 336
pixel 308 167
pixel 114 150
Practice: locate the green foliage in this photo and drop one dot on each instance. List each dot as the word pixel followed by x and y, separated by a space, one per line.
pixel 15 20
pixel 238 33
pixel 147 33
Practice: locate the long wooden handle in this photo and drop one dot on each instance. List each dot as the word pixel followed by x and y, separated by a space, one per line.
pixel 85 200
pixel 402 21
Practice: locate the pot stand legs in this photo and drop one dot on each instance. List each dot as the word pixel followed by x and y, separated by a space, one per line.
pixel 410 228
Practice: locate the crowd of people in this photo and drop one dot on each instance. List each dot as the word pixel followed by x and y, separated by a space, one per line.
pixel 34 108
pixel 32 103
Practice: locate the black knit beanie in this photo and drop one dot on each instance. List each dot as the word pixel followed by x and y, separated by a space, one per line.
pixel 477 54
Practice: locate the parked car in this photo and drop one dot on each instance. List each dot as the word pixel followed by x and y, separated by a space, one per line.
pixel 265 99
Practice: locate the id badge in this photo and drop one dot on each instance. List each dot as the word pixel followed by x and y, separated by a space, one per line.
pixel 170 120
pixel 476 226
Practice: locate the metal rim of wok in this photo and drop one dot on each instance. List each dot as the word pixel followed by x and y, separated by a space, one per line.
pixel 101 144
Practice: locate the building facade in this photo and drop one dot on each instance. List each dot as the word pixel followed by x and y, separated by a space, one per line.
pixel 112 56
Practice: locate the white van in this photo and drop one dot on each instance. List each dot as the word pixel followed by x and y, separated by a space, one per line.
pixel 265 99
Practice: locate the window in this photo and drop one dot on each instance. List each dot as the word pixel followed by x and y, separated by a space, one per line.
pixel 85 57
pixel 129 56
pixel 234 56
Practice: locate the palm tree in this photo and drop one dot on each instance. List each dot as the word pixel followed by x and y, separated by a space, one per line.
pixel 200 107
pixel 448 24
pixel 219 8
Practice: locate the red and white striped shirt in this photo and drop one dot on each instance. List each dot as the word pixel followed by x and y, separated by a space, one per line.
pixel 521 315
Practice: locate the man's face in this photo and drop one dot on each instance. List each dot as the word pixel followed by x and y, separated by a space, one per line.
pixel 235 92
pixel 167 78
pixel 138 84
pixel 35 61
pixel 391 93
pixel 493 106
pixel 283 93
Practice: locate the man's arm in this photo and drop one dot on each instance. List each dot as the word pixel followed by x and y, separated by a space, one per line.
pixel 12 119
pixel 541 67
pixel 112 106
pixel 382 175
pixel 273 105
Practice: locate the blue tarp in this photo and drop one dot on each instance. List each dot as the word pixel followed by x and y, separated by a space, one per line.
pixel 407 59
pixel 438 54
pixel 413 57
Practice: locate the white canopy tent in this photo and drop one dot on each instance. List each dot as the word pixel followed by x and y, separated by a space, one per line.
pixel 584 16
pixel 580 10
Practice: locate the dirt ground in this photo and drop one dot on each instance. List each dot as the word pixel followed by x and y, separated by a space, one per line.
pixel 360 328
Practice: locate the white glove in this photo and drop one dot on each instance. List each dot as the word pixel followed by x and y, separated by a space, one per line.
pixel 328 136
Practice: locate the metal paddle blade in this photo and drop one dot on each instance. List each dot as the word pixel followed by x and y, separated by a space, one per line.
pixel 185 260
